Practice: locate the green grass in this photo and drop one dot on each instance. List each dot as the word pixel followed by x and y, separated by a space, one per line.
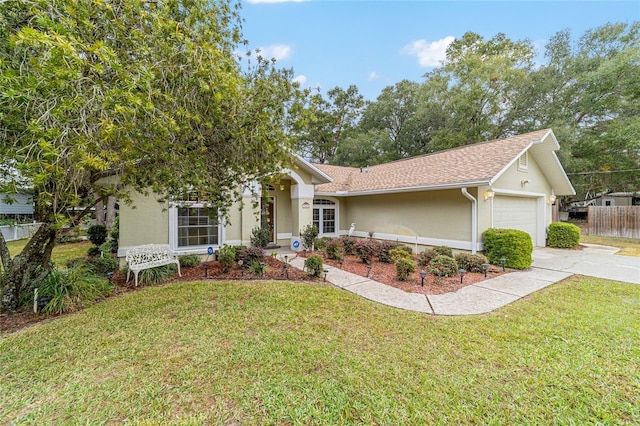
pixel 286 353
pixel 627 246
pixel 61 252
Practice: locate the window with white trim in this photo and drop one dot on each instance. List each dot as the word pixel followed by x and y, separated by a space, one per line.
pixel 324 216
pixel 196 226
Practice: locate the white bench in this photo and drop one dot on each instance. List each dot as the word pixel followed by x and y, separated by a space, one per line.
pixel 150 256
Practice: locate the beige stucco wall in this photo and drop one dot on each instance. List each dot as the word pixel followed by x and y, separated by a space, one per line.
pixel 434 214
pixel 282 195
pixel 146 222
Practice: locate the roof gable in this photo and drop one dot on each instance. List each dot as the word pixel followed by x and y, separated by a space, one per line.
pixel 470 165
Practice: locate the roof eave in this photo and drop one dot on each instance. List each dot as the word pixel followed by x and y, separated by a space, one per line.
pixel 456 185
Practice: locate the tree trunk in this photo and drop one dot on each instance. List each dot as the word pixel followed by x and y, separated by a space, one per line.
pixel 100 212
pixel 26 270
pixel 111 211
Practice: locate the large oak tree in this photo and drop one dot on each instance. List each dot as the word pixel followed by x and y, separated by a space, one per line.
pixel 144 95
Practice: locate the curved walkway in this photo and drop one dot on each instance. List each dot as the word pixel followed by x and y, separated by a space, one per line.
pixel 549 267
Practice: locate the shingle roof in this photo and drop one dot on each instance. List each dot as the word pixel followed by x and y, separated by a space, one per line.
pixel 470 164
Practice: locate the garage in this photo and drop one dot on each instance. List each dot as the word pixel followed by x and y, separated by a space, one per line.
pixel 516 213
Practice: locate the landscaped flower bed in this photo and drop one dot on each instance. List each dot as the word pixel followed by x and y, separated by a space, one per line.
pixel 386 274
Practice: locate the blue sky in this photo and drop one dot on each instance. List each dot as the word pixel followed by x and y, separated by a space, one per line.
pixel 374 44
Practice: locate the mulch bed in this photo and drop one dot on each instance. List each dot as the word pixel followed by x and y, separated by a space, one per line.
pixel 381 272
pixel 386 274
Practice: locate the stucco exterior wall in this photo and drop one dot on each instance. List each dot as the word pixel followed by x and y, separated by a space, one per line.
pixel 147 223
pixel 284 217
pixel 443 215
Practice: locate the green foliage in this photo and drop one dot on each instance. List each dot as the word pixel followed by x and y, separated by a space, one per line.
pixel 226 257
pixel 563 235
pixel 404 267
pixel 97 234
pixel 308 236
pixel 367 249
pixel 321 243
pixel 349 244
pixel 94 251
pixel 511 244
pixel 443 250
pixel 189 260
pixel 157 275
pixel 72 289
pixel 443 266
pixel 256 268
pixel 426 256
pixel 471 262
pixel 400 253
pixel 260 237
pixel 313 264
pixel 384 249
pixel 239 250
pixel 250 255
pixel 334 249
pixel 114 235
pixel 103 264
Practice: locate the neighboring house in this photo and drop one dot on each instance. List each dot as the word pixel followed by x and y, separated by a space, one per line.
pixel 16 206
pixel 445 198
pixel 618 199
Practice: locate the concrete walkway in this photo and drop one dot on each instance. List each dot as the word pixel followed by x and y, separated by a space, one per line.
pixel 549 267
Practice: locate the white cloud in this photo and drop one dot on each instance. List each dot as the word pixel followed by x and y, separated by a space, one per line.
pixel 429 54
pixel 302 79
pixel 275 51
pixel 373 76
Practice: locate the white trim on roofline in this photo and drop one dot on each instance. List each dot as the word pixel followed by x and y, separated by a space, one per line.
pixel 457 185
pixel 512 162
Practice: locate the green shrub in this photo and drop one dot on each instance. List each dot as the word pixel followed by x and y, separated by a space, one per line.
pixel 260 237
pixel 404 267
pixel 443 266
pixel 250 255
pixel 426 256
pixel 349 245
pixel 398 253
pixel 384 249
pixel 313 264
pixel 238 250
pixel 471 262
pixel 103 264
pixel 94 251
pixel 257 268
pixel 97 234
pixel 563 235
pixel 189 260
pixel 114 235
pixel 366 250
pixel 157 275
pixel 308 235
pixel 226 257
pixel 72 288
pixel 321 243
pixel 511 244
pixel 334 249
pixel 443 250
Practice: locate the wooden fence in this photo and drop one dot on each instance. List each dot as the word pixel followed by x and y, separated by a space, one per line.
pixel 623 222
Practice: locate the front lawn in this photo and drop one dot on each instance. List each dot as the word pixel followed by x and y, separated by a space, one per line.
pixel 627 246
pixel 61 252
pixel 287 353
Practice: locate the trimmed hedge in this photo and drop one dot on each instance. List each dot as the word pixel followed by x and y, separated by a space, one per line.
pixel 471 262
pixel 443 266
pixel 512 244
pixel 563 235
pixel 404 267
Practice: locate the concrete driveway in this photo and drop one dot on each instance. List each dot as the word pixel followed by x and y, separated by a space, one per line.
pixel 593 260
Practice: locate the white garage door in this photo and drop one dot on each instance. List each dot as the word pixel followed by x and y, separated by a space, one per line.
pixel 516 213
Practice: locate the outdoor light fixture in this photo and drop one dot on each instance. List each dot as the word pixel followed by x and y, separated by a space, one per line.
pixel 552 198
pixel 326 271
pixel 286 259
pixel 261 269
pixel 502 262
pixel 485 267
pixel 109 275
pixel 368 270
pixel 489 194
pixel 205 265
pixel 462 272
pixel 304 252
pixel 285 269
pixel 423 274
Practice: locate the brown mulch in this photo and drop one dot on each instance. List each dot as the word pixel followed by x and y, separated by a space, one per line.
pixel 386 274
pixel 381 272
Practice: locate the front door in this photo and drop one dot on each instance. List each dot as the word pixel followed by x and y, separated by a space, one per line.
pixel 268 217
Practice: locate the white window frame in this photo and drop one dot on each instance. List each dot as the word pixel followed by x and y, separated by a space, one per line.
pixel 173 230
pixel 321 207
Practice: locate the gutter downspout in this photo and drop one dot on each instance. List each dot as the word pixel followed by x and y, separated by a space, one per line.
pixel 474 220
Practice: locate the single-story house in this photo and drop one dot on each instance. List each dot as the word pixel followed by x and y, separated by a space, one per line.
pixel 445 198
pixel 618 199
pixel 16 206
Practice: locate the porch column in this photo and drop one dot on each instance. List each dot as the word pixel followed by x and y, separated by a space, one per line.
pixel 301 207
